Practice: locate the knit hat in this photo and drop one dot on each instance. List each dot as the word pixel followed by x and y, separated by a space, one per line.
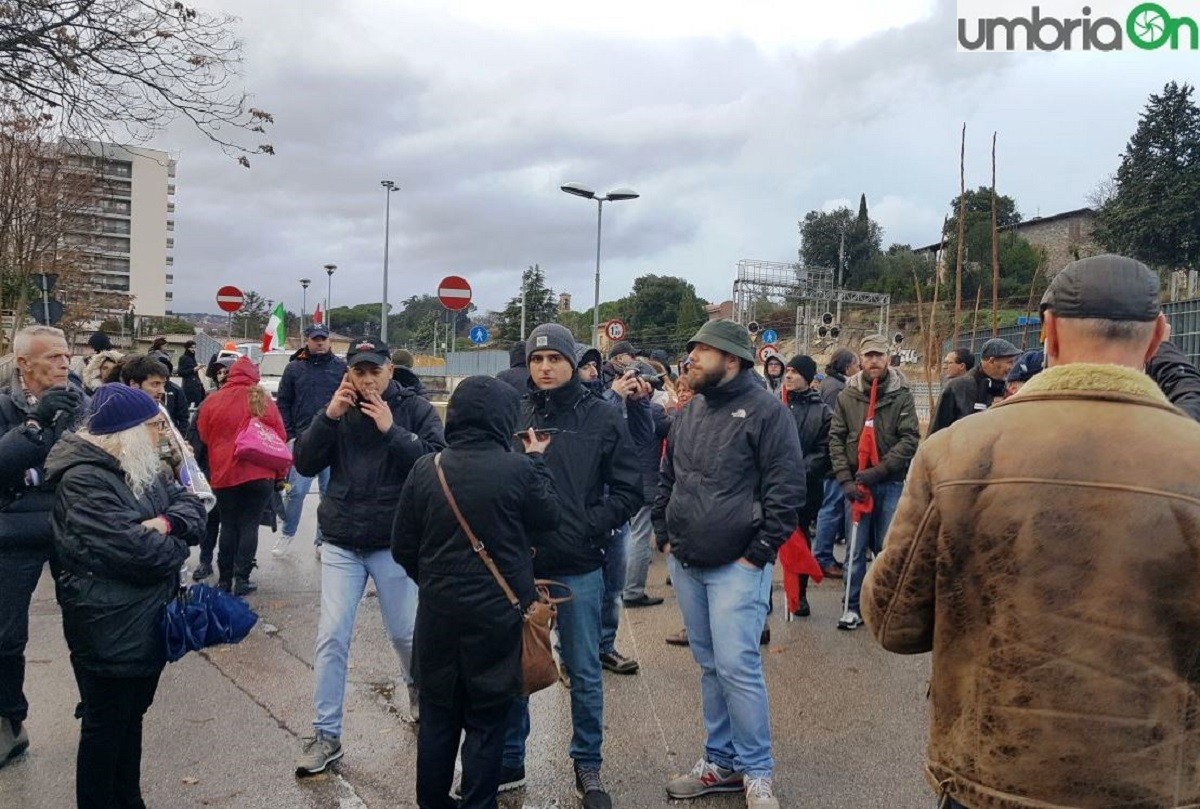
pixel 99 342
pixel 402 357
pixel 551 337
pixel 804 365
pixel 117 407
pixel 623 347
pixel 727 336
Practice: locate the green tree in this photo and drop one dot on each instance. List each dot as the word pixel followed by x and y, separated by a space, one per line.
pixel 1019 260
pixel 662 312
pixel 821 242
pixel 1153 214
pixel 540 307
pixel 422 315
pixel 251 320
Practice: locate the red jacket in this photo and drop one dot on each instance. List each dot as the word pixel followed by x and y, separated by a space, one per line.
pixel 222 416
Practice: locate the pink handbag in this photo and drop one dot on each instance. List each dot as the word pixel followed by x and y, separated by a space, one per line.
pixel 260 445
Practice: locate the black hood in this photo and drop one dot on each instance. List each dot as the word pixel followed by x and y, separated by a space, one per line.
pixel 407 378
pixel 482 409
pixel 516 355
pixel 71 450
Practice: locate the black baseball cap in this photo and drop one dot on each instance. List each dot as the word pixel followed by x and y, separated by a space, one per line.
pixel 316 330
pixel 368 350
pixel 1109 287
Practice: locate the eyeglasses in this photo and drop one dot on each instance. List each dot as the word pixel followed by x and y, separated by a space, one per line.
pixel 160 424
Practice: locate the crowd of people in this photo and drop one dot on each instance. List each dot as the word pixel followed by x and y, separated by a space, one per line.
pixel 1041 539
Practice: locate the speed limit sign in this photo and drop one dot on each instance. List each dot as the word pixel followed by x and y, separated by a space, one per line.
pixel 614 330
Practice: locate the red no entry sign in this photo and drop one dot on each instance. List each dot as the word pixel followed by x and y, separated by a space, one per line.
pixel 455 293
pixel 230 298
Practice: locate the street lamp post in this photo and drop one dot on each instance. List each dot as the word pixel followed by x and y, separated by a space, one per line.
pixel 388 186
pixel 304 282
pixel 329 268
pixel 617 195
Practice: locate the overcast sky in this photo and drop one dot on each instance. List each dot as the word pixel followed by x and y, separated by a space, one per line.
pixel 731 122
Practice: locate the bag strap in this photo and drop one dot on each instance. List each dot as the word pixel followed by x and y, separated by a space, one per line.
pixel 476 545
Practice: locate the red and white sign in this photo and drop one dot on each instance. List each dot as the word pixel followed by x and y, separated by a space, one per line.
pixel 230 299
pixel 614 330
pixel 767 351
pixel 455 293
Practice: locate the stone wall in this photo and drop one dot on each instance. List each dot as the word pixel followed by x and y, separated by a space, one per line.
pixel 1064 238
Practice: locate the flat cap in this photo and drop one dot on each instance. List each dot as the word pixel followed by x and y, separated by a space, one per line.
pixel 998 347
pixel 1108 287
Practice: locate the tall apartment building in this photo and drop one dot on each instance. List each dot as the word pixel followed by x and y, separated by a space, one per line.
pixel 125 227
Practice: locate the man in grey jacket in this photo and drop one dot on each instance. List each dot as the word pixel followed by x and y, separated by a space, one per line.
pixel 732 486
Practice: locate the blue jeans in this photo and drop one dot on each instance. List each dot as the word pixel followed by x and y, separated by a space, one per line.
pixel 723 610
pixel 19 574
pixel 637 554
pixel 579 634
pixel 614 582
pixel 293 500
pixel 871 531
pixel 829 522
pixel 343 579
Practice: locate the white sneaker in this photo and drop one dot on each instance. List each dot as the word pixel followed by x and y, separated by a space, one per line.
pixel 282 545
pixel 850 620
pixel 760 795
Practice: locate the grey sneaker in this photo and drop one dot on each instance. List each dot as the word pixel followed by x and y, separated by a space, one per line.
pixel 704 779
pixel 318 753
pixel 590 789
pixel 414 706
pixel 759 794
pixel 282 545
pixel 13 741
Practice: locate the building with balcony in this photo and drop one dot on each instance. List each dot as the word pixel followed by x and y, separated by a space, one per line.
pixel 124 225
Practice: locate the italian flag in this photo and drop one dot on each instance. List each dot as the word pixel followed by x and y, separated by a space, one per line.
pixel 275 336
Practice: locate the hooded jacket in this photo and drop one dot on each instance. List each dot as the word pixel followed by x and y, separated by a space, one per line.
pixel 595 471
pixel 517 374
pixel 307 385
pixel 367 468
pixel 897 432
pixel 222 416
pixel 733 477
pixel 468 635
pixel 1050 560
pixel 812 419
pixel 26 496
pixel 116 575
pixel 965 395
pixel 407 378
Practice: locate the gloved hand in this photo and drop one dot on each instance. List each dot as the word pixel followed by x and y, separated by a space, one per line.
pixel 54 401
pixel 871 476
pixel 850 492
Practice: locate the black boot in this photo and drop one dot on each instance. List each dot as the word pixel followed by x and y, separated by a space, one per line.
pixel 243 587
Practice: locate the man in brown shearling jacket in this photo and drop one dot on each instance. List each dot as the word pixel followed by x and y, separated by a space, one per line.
pixel 1047 552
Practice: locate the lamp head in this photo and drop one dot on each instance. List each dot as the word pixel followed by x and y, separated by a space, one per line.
pixel 579 190
pixel 388 184
pixel 329 268
pixel 620 194
pixel 304 282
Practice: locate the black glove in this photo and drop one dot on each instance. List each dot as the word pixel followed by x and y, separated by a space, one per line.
pixel 871 476
pixel 850 492
pixel 54 401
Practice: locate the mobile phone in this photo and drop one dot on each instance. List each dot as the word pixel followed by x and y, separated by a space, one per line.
pixel 539 431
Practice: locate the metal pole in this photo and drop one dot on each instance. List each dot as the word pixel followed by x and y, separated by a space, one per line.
pixel 328 296
pixel 389 187
pixel 522 306
pixel 45 302
pixel 596 297
pixel 303 308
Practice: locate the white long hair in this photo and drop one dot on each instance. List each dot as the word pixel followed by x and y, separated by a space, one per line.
pixel 137 453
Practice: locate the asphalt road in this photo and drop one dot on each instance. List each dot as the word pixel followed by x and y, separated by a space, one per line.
pixel 849 720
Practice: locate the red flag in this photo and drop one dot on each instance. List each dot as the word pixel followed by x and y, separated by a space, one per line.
pixel 796 559
pixel 868 456
pixel 317 317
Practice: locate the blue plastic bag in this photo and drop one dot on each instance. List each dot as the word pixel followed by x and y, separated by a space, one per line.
pixel 202 616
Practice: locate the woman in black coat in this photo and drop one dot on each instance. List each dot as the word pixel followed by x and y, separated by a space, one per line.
pixel 468 637
pixel 121 532
pixel 189 372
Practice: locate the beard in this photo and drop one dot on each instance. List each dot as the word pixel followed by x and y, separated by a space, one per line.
pixel 136 452
pixel 703 380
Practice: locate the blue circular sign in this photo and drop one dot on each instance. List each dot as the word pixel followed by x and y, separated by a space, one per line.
pixel 769 336
pixel 479 335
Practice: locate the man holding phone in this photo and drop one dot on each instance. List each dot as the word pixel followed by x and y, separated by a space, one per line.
pixel 369 436
pixel 595 473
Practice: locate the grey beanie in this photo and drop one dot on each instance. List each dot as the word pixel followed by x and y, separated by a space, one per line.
pixel 552 337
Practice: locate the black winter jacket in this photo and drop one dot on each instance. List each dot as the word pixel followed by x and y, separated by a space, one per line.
pixel 177 406
pixel 307 385
pixel 468 635
pixel 26 497
pixel 517 374
pixel 116 576
pixel 965 395
pixel 367 469
pixel 732 479
pixel 812 419
pixel 831 386
pixel 1177 378
pixel 407 378
pixel 595 470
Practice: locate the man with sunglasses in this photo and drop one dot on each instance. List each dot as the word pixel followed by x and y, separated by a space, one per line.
pixel 305 389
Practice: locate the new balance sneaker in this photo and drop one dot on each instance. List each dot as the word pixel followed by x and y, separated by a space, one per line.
pixel 282 545
pixel 705 779
pixel 318 753
pixel 590 789
pixel 760 795
pixel 511 778
pixel 850 620
pixel 618 663
pixel 14 740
